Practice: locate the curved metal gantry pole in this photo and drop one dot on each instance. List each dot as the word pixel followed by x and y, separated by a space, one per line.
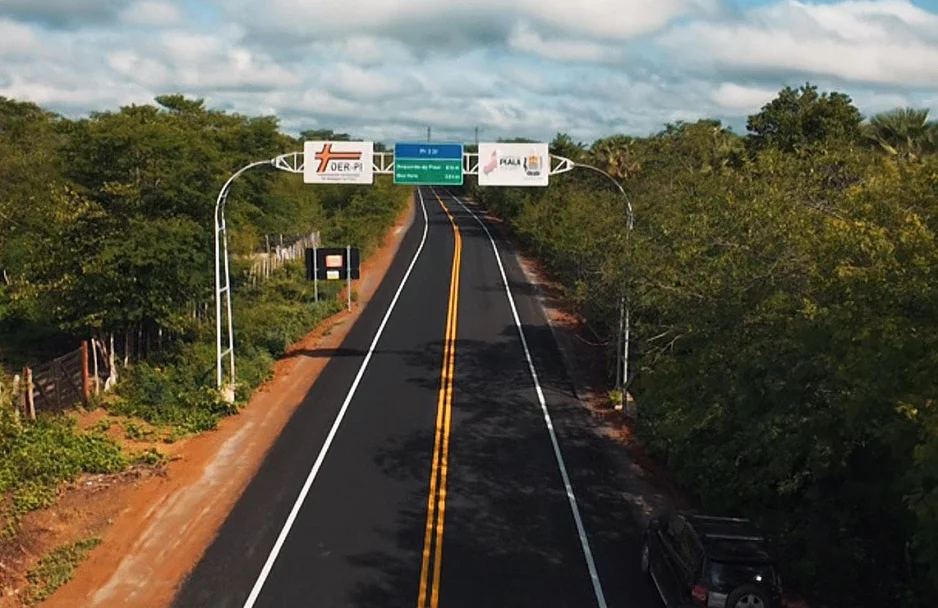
pixel 221 257
pixel 625 320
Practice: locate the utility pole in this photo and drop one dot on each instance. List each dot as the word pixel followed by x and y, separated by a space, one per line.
pixel 428 134
pixel 477 137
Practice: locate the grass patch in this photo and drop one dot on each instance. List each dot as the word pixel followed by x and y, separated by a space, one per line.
pixel 135 432
pixel 102 426
pixel 36 457
pixel 56 569
pixel 150 456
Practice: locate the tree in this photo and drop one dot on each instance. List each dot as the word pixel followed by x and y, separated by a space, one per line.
pixel 785 312
pixel 323 135
pixel 128 237
pixel 516 140
pixel 179 104
pixel 29 169
pixel 800 118
pixel 903 132
pixel 616 156
pixel 563 145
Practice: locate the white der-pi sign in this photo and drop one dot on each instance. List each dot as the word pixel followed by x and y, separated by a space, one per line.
pixel 514 164
pixel 338 162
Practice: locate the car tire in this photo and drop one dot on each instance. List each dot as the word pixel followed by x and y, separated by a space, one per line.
pixel 748 596
pixel 646 559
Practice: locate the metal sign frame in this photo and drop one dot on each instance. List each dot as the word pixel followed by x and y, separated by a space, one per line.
pixel 295 162
pixel 383 163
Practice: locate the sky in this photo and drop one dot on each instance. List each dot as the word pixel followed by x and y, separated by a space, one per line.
pixel 387 69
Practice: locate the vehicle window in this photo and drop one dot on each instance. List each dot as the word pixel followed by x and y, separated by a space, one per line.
pixel 676 525
pixel 688 548
pixel 685 543
pixel 733 575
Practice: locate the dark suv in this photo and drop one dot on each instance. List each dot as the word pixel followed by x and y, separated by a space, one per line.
pixel 716 562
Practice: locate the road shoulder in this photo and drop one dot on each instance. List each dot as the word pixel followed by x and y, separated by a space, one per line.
pixel 165 523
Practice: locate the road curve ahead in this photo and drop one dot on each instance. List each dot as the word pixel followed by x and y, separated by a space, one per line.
pixel 439 460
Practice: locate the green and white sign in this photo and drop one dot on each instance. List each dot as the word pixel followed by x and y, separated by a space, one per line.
pixel 420 164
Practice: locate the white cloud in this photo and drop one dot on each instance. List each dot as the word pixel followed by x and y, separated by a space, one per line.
pixel 373 85
pixel 736 97
pixel 387 70
pixel 526 40
pixel 185 46
pixel 73 96
pixel 363 50
pixel 17 38
pixel 613 19
pixel 873 103
pixel 884 43
pixel 408 20
pixel 152 12
pixel 144 71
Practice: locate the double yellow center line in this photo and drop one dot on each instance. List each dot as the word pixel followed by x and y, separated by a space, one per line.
pixel 436 504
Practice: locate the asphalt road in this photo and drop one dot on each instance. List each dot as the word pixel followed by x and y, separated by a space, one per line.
pixel 420 469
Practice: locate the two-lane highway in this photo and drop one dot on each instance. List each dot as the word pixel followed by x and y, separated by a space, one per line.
pixel 439 460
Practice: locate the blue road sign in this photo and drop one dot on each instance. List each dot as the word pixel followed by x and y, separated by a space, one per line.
pixel 427 151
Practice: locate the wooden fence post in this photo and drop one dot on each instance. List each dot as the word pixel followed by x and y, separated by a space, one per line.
pixel 57 379
pixel 19 397
pixel 97 375
pixel 85 377
pixel 30 399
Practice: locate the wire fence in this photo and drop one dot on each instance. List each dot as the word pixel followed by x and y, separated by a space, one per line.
pixel 277 255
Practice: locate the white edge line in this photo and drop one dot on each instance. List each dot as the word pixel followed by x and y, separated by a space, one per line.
pixel 268 565
pixel 571 497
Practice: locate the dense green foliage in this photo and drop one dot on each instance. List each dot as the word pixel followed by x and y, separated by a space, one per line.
pixel 785 296
pixel 36 457
pixel 106 231
pixel 107 219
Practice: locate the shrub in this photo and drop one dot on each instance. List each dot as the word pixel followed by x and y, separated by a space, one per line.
pixel 35 458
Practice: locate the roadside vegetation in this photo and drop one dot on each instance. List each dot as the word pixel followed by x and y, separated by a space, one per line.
pixel 56 569
pixel 106 232
pixel 784 289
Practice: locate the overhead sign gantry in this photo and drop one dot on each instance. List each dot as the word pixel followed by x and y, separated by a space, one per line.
pixel 356 162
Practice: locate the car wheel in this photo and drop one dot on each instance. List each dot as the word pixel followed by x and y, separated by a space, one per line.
pixel 646 563
pixel 748 596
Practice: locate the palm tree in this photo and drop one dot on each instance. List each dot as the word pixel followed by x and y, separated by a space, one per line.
pixel 615 155
pixel 932 137
pixel 904 132
pixel 563 145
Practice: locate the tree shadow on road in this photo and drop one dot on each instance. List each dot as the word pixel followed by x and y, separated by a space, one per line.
pixel 510 538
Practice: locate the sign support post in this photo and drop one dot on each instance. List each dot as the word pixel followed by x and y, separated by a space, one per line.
pixel 348 274
pixel 315 275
